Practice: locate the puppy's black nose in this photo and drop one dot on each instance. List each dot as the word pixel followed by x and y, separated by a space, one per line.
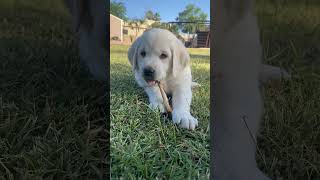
pixel 148 73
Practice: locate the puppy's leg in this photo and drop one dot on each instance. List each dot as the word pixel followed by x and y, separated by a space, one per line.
pixel 155 98
pixel 90 23
pixel 181 101
pixel 237 101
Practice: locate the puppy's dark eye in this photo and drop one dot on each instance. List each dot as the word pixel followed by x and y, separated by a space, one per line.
pixel 143 53
pixel 163 56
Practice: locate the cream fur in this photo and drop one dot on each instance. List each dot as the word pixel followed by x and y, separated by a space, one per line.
pixel 174 72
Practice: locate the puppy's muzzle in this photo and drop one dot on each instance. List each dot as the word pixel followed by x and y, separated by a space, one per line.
pixel 149 74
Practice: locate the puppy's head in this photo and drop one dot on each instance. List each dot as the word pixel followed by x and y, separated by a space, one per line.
pixel 158 55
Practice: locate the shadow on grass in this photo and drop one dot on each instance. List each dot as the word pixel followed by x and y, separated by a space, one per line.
pixel 50 108
pixel 290 39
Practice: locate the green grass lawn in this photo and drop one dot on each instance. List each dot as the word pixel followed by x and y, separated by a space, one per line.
pixel 145 145
pixel 289 143
pixel 52 116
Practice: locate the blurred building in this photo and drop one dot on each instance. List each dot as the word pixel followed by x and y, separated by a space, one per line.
pixel 125 32
pixel 116 28
pixel 134 29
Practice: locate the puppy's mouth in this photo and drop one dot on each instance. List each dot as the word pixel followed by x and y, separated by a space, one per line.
pixel 152 82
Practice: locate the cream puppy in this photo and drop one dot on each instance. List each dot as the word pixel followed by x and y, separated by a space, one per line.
pixel 237 101
pixel 158 55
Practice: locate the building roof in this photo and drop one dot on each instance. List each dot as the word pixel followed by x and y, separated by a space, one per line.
pixel 116 17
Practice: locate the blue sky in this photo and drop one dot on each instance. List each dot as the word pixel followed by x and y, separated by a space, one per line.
pixel 168 9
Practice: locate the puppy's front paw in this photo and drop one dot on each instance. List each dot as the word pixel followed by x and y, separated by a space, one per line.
pixel 184 119
pixel 157 106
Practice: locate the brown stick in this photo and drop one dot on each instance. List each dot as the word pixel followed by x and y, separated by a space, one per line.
pixel 164 97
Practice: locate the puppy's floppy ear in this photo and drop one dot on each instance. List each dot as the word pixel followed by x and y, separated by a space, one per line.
pixel 180 57
pixel 80 12
pixel 133 53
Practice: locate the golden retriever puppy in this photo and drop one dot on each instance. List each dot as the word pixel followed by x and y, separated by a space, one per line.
pixel 158 55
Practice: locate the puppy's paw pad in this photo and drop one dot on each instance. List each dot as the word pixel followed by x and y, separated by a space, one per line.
pixel 184 119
